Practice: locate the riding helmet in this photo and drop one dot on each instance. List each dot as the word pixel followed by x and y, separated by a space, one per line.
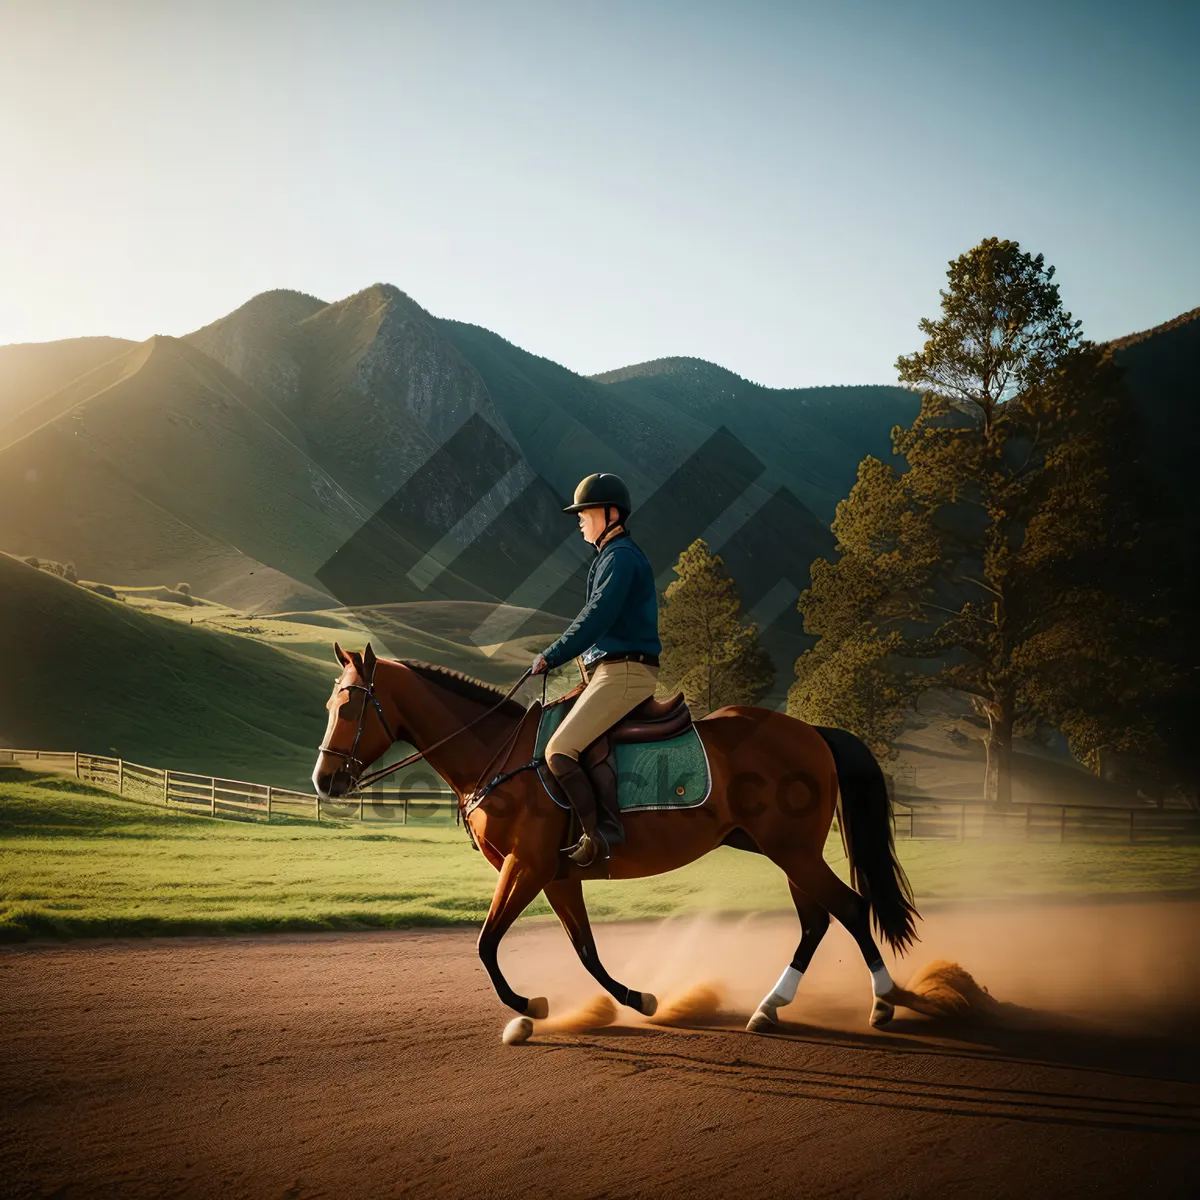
pixel 599 491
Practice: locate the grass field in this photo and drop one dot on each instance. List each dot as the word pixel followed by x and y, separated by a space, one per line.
pixel 78 862
pixel 83 672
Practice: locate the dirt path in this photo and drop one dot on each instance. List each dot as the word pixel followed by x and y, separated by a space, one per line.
pixel 371 1065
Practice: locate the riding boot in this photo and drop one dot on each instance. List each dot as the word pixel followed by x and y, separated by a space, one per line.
pixel 602 775
pixel 578 788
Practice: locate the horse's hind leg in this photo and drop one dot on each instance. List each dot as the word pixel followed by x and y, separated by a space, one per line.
pixel 817 879
pixel 812 875
pixel 566 898
pixel 518 885
pixel 814 921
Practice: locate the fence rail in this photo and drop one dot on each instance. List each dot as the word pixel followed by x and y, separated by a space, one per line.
pixel 236 798
pixel 1043 822
pixel 914 818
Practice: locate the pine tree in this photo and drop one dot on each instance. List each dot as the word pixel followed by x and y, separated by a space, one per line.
pixel 988 559
pixel 709 651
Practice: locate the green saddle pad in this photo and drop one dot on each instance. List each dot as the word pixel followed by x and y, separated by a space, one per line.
pixel 650 775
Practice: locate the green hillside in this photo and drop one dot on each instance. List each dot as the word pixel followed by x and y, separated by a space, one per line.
pixel 87 673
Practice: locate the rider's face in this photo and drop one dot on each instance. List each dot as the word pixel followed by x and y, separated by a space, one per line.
pixel 591 523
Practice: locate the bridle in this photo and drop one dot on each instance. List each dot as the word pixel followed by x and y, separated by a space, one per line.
pixel 357 784
pixel 369 694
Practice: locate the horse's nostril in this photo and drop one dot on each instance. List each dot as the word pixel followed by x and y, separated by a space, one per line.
pixel 331 784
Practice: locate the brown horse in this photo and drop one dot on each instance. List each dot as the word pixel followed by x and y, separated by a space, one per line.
pixel 776 783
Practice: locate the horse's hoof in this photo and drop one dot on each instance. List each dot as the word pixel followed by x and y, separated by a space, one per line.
pixel 647 1004
pixel 881 1012
pixel 518 1030
pixel 538 1008
pixel 763 1022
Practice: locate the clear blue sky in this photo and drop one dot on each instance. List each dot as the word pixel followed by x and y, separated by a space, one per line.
pixel 774 187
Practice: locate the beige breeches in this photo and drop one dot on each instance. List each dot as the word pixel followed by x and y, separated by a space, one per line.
pixel 613 690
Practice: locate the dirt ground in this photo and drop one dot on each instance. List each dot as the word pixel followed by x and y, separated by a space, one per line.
pixel 371 1065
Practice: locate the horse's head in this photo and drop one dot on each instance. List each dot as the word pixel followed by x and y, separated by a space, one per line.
pixel 357 732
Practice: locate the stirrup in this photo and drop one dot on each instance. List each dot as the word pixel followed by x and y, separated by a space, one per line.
pixel 585 844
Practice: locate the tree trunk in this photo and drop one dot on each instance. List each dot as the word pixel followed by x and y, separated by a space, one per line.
pixel 997 777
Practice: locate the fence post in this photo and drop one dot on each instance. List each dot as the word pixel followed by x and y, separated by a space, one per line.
pixel 76 764
pixel 212 796
pixel 360 807
pixel 167 787
pixel 270 794
pixel 405 821
pixel 120 777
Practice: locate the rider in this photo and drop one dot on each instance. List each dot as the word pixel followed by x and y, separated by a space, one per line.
pixel 616 631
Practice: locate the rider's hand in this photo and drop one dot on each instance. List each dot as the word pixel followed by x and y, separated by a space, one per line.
pixel 540 666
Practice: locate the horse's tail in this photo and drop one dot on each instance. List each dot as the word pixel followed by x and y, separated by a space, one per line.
pixel 865 818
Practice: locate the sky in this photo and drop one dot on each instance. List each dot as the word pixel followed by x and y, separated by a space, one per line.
pixel 776 187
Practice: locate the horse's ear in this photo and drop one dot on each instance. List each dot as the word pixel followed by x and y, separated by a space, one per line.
pixel 369 661
pixel 342 656
pixel 356 659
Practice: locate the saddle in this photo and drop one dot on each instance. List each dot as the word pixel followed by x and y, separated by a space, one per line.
pixel 651 721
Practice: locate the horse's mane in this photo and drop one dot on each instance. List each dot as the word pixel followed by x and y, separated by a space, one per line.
pixel 464 685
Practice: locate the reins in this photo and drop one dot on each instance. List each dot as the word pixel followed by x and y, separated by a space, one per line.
pixel 384 772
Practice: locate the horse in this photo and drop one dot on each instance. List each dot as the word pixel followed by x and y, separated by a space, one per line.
pixel 776 785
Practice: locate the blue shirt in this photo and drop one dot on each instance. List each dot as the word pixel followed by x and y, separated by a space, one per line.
pixel 621 612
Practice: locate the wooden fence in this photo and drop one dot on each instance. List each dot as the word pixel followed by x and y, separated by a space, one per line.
pixel 914 817
pixel 236 798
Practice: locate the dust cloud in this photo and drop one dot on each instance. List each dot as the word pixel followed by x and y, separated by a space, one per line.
pixel 1120 965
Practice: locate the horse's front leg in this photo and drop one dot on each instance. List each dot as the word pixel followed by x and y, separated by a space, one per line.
pixel 519 884
pixel 566 898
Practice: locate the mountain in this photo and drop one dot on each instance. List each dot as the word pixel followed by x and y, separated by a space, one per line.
pixel 153 690
pixel 161 465
pixel 813 437
pixel 1161 369
pixel 261 344
pixel 705 453
pixel 33 369
pixel 295 454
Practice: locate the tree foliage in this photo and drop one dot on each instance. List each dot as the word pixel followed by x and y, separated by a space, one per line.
pixel 995 561
pixel 709 651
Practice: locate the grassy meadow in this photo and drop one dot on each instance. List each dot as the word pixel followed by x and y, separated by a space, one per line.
pixel 76 861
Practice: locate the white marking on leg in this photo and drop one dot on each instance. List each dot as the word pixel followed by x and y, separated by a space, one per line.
pixel 881 981
pixel 784 992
